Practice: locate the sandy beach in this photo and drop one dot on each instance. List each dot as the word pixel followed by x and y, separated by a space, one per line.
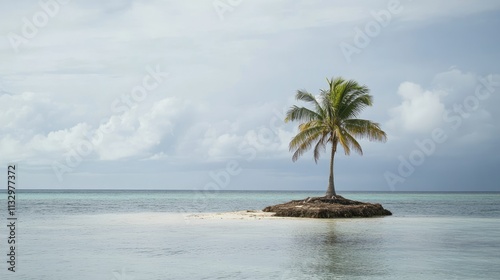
pixel 236 215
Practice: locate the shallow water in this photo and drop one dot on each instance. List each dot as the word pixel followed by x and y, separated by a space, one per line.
pixel 145 235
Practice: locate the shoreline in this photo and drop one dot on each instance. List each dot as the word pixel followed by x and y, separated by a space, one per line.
pixel 258 215
pixel 236 215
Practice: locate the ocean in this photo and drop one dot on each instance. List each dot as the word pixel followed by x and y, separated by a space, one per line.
pixel 108 234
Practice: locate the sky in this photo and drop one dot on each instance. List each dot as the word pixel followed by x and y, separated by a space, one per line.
pixel 192 94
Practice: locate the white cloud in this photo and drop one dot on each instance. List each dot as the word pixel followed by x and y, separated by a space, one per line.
pixel 35 128
pixel 420 111
pixel 26 111
pixel 132 133
pixel 135 132
pixel 462 104
pixel 40 148
pixel 158 156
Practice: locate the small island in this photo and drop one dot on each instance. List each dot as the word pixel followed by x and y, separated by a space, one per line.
pixel 332 121
pixel 327 207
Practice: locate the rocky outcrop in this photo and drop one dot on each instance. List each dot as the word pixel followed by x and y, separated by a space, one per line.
pixel 327 207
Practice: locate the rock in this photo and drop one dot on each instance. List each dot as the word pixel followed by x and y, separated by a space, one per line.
pixel 327 207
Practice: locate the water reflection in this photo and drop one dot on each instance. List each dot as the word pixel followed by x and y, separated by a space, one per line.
pixel 336 250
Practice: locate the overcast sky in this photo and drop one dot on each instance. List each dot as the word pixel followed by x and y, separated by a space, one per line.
pixel 192 94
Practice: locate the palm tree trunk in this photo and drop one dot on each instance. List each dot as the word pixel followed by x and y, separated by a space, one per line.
pixel 331 186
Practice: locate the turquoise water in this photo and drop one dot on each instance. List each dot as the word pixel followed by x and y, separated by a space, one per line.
pixel 145 235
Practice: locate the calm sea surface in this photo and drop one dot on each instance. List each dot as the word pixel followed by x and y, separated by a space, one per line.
pixel 145 235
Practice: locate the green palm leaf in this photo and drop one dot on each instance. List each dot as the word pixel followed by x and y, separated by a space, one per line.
pixel 333 120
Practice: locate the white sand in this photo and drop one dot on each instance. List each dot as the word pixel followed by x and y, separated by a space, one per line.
pixel 238 215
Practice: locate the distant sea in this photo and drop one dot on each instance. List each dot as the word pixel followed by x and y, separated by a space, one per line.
pixel 89 234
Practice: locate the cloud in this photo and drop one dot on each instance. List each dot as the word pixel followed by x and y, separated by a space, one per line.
pixel 40 149
pixel 452 94
pixel 263 137
pixel 136 131
pixel 35 128
pixel 28 111
pixel 157 156
pixel 460 104
pixel 420 111
pixel 130 134
pixel 228 77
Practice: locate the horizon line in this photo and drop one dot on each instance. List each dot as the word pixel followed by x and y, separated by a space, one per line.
pixel 259 190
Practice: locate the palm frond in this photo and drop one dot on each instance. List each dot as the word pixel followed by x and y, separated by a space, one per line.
pixel 296 113
pixel 354 98
pixel 305 96
pixel 333 119
pixel 304 146
pixel 353 143
pixel 305 135
pixel 355 104
pixel 320 146
pixel 326 104
pixel 365 129
pixel 343 141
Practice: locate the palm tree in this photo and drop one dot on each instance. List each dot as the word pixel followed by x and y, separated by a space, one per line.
pixel 333 120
